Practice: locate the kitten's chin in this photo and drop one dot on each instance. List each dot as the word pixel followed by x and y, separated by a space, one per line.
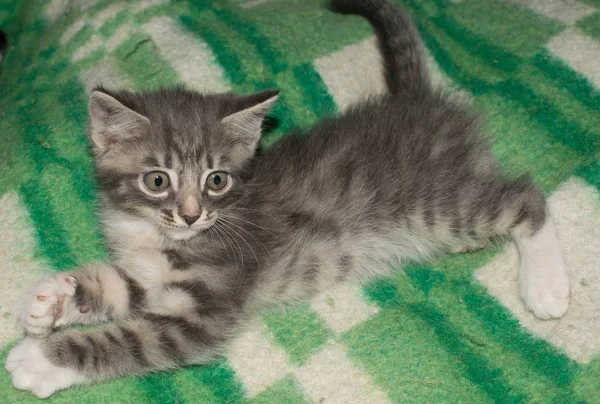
pixel 183 234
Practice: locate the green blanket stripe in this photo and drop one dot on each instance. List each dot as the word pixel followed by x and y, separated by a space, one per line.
pixel 112 25
pixel 590 173
pixel 548 162
pixel 160 388
pixel 287 27
pixel 285 390
pixel 139 60
pixel 231 64
pixel 584 138
pixel 517 31
pixel 298 330
pixel 580 140
pixel 478 370
pixel 190 390
pixel 8 15
pixel 481 336
pixel 405 358
pixel 565 131
pixel 221 379
pixel 591 25
pixel 288 110
pixel 315 91
pixel 499 321
pixel 558 72
pixel 52 237
pixel 306 81
pixel 569 107
pixel 226 44
pixel 554 367
pixel 212 383
pixel 516 369
pixel 547 360
pixel 477 45
pixel 273 60
pixel 485 375
pixel 81 237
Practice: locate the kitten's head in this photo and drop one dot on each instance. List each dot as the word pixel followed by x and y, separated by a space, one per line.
pixel 174 157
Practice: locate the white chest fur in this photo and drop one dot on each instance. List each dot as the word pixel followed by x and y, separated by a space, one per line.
pixel 137 248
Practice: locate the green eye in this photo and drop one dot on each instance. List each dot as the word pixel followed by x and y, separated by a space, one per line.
pixel 156 181
pixel 217 180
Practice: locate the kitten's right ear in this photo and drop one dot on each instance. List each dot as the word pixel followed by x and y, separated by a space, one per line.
pixel 111 122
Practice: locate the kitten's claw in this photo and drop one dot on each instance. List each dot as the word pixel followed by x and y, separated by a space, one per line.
pixel 467 249
pixel 45 304
pixel 31 370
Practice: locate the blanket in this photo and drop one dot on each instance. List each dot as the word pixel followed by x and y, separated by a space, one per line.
pixel 451 331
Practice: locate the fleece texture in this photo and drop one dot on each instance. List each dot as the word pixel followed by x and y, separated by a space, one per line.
pixel 451 331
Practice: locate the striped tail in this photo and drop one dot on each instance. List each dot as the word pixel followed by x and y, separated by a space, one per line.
pixel 399 43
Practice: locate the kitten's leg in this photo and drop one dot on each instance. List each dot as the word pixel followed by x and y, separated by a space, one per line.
pixel 543 276
pixel 188 323
pixel 90 295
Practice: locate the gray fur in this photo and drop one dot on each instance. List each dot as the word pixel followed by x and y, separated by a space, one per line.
pixel 401 177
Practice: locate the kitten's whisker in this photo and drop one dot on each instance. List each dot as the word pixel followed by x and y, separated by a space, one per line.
pixel 222 232
pixel 252 210
pixel 220 239
pixel 248 244
pixel 232 216
pixel 241 264
pixel 246 231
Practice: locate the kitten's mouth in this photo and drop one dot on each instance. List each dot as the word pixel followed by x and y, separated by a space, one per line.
pixel 185 233
pixel 182 234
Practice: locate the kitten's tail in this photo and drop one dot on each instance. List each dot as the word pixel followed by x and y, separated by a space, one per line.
pixel 405 70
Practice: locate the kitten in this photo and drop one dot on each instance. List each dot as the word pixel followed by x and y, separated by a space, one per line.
pixel 203 235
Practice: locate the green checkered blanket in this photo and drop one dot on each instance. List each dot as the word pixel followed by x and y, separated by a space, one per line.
pixel 452 331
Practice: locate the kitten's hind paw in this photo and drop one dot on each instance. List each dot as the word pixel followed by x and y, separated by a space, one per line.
pixel 47 303
pixel 543 275
pixel 547 297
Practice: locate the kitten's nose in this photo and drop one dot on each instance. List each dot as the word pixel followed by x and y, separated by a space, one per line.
pixel 190 219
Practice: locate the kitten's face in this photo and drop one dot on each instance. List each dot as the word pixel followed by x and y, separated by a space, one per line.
pixel 174 158
pixel 180 194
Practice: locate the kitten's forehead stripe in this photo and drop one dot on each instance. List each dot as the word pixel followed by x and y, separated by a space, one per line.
pixel 151 161
pixel 168 160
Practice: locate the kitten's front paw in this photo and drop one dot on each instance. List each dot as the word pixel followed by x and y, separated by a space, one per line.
pixel 47 303
pixel 547 296
pixel 31 370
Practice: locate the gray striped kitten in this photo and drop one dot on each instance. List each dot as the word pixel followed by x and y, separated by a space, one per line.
pixel 203 235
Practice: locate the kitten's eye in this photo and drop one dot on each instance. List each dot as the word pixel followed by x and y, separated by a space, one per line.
pixel 156 181
pixel 217 180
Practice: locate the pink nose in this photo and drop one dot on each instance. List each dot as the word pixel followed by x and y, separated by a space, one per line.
pixel 190 219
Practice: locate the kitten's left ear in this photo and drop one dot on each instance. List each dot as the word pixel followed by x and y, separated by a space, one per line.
pixel 111 122
pixel 242 129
